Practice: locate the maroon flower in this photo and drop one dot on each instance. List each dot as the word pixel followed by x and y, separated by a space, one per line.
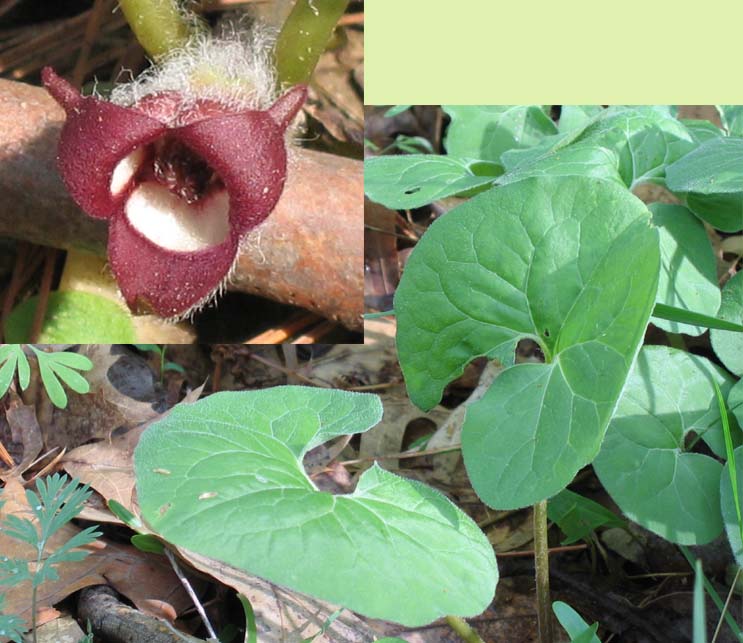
pixel 180 181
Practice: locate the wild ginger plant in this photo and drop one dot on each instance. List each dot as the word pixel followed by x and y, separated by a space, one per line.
pixel 555 248
pixel 394 549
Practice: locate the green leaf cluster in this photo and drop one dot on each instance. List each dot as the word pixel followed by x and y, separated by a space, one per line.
pixel 556 249
pixel 54 368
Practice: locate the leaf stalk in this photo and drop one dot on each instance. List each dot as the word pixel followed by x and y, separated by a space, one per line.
pixel 542 572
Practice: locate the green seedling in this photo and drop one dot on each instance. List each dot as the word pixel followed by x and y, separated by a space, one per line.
pixel 54 368
pixel 55 503
pixel 164 364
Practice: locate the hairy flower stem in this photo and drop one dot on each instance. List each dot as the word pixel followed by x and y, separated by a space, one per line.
pixel 542 572
pixel 463 630
pixel 303 38
pixel 159 25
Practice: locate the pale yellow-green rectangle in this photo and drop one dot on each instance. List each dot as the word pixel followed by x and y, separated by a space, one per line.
pixel 560 52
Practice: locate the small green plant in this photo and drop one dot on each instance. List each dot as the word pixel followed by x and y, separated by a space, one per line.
pixel 88 638
pixel 53 367
pixel 578 630
pixel 55 503
pixel 160 351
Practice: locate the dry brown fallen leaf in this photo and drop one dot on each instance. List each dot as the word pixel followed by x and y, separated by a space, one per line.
pixel 287 617
pixel 24 429
pixel 123 394
pixel 108 467
pixel 145 579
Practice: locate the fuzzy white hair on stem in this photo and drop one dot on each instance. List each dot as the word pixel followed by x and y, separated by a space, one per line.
pixel 234 68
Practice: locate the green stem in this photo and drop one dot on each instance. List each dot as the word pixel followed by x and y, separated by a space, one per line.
pixel 35 584
pixel 303 38
pixel 33 612
pixel 463 630
pixel 542 572
pixel 159 25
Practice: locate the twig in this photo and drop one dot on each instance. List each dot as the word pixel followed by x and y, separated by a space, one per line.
pixel 374 387
pixel 112 620
pixel 189 590
pixel 351 19
pixel 524 553
pixel 725 606
pixel 7 5
pixel 91 32
pixel 15 284
pixel 50 257
pixel 287 371
pixel 311 336
pixel 403 455
pixel 294 324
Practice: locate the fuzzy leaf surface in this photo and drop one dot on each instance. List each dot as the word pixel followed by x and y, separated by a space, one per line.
pixel 544 259
pixel 73 317
pixel 645 463
pixel 223 477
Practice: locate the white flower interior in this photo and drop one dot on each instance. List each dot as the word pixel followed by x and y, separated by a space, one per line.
pixel 125 169
pixel 170 222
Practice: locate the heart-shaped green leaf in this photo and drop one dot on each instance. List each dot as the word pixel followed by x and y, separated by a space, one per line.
pixel 487 131
pixel 412 180
pixel 645 463
pixel 223 477
pixel 711 178
pixel 728 345
pixel 645 139
pixel 570 262
pixel 688 275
